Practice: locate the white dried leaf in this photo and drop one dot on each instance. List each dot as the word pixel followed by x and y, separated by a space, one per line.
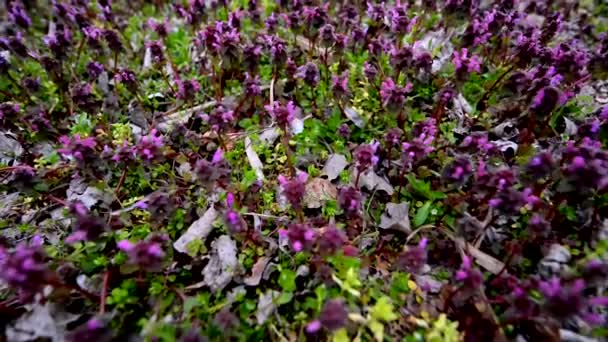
pixel 198 230
pixel 336 163
pixel 223 264
pixel 266 305
pixel 254 160
pixel 396 216
pixel 46 321
pixel 371 181
pixel 354 116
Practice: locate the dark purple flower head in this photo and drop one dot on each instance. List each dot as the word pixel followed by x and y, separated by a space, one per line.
pixel 539 226
pixel 277 49
pixel 232 218
pixel 315 17
pixel 156 51
pixel 24 269
pixel 220 118
pixel 87 227
pixel 563 300
pixel 400 23
pixel 294 189
pixel 226 320
pixel 282 114
pixel 393 137
pixel 93 36
pixel 334 314
pixel 458 171
pixel 187 89
pixel 393 95
pixel 271 23
pixel 128 78
pixel 413 259
pixel 327 34
pixel 147 255
pixel 31 84
pixel 161 28
pixel 251 56
pixel 331 240
pixel 509 200
pixel 465 64
pixel 339 85
pixel 59 41
pixel 545 101
pixel 9 110
pixel 585 167
pixel 78 148
pixel 19 16
pixel 16 44
pixel 309 73
pixel 299 235
pixel 595 272
pixel 209 172
pixel 344 131
pixel 93 330
pixel 94 69
pixel 349 199
pixel 478 142
pixel 541 165
pixel 149 147
pixel 113 40
pixel 84 98
pixel 370 71
pixel 365 156
pixel 252 85
pixel 4 65
pixel 376 12
pixel 470 277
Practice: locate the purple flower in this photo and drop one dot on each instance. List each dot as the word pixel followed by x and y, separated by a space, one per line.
pixel 283 114
pixel 149 147
pixel 226 320
pixel 9 110
pixel 344 131
pixel 327 34
pixel 300 236
pixel 209 172
pixel 232 218
pixel 114 43
pixel 545 101
pixel 370 71
pixel 470 277
pixel 334 314
pixel 510 200
pixel 465 64
pixel 59 41
pixel 156 51
pixel 539 226
pixel 75 147
pixel 349 199
pixel 251 57
pixel 413 259
pixel 399 21
pixel 309 73
pixel 161 28
pixel 393 96
pixel 339 85
pixel 294 189
pixel 147 255
pixel 567 300
pixel 331 240
pixel 540 165
pixel 86 226
pixel 19 16
pixel 220 118
pixel 252 85
pixel 24 269
pixel 94 69
pixel 458 171
pixel 187 89
pixel 365 156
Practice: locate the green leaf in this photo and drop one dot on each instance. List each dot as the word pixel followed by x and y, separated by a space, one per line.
pixel 422 214
pixel 341 336
pixel 287 280
pixel 285 298
pixel 377 329
pixel 383 310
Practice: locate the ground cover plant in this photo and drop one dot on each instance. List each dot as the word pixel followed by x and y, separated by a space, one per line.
pixel 304 170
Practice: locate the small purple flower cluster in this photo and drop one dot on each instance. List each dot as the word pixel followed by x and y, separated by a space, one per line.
pixel 147 255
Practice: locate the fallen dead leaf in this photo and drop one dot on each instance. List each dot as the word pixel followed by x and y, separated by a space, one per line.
pixel 254 160
pixel 396 217
pixel 198 230
pixel 318 191
pixel 223 263
pixel 257 271
pixel 336 163
pixel 371 181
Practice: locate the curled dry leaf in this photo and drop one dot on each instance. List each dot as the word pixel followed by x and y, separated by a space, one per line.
pixel 257 271
pixel 254 160
pixel 223 263
pixel 336 163
pixel 371 181
pixel 396 216
pixel 198 230
pixel 319 191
